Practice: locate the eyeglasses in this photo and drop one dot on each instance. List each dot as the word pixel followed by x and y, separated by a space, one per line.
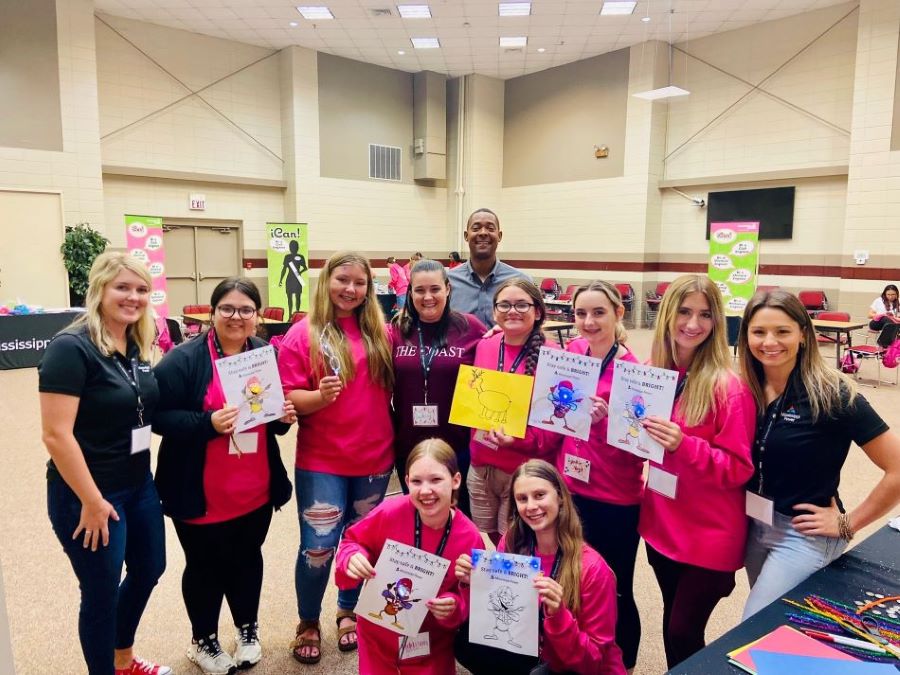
pixel 228 312
pixel 521 306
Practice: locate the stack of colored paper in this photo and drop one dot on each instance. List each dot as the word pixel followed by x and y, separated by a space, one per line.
pixel 785 641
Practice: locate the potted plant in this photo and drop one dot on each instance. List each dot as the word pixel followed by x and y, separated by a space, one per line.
pixel 81 245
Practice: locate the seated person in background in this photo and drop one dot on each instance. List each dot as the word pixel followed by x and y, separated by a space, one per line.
pixel 885 307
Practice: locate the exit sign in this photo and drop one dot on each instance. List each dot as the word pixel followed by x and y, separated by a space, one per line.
pixel 198 202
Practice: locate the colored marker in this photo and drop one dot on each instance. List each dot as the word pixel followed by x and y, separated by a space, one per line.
pixel 841 640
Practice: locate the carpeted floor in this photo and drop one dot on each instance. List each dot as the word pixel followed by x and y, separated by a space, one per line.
pixel 42 593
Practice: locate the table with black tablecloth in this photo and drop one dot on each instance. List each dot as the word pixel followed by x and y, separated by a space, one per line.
pixel 24 337
pixel 873 565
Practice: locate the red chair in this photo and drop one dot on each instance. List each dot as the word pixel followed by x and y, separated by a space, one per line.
pixel 550 288
pixel 192 327
pixel 627 293
pixel 832 316
pixel 273 313
pixel 767 289
pixel 653 300
pixel 570 291
pixel 814 302
pixel 885 338
pixel 297 317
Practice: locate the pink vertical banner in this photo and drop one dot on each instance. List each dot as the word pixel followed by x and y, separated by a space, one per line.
pixel 144 239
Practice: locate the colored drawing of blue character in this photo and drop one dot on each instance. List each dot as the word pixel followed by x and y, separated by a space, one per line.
pixel 635 411
pixel 565 399
pixel 397 598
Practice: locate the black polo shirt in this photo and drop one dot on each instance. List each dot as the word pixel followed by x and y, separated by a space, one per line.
pixel 107 406
pixel 802 459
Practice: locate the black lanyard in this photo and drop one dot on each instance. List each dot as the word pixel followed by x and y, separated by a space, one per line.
pixel 557 561
pixel 133 379
pixel 770 422
pixel 679 388
pixel 218 346
pixel 426 359
pixel 418 534
pixel 501 357
pixel 610 355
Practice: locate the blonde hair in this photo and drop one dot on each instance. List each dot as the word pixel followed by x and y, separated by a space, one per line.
pixel 323 322
pixel 105 269
pixel 615 298
pixel 823 384
pixel 441 452
pixel 711 365
pixel 520 537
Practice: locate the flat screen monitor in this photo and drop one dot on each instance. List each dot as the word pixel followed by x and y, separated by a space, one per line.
pixel 772 207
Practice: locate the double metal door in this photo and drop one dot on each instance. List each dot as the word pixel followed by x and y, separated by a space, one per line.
pixel 198 257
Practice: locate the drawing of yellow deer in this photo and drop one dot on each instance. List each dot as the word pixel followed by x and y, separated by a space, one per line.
pixel 494 404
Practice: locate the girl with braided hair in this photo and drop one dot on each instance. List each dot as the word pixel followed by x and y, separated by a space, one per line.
pixel 519 312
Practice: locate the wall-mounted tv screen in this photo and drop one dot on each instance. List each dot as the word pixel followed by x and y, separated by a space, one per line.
pixel 772 207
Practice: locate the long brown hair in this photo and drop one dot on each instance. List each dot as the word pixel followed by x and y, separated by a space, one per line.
pixel 536 339
pixel 711 365
pixel 521 539
pixel 823 384
pixel 407 319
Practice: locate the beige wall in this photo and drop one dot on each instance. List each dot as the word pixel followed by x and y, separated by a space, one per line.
pixel 29 78
pixel 895 136
pixel 359 104
pixel 553 119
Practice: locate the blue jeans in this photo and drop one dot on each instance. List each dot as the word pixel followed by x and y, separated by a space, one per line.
pixel 779 558
pixel 326 504
pixel 111 607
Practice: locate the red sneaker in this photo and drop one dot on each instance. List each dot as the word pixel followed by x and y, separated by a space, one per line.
pixel 141 666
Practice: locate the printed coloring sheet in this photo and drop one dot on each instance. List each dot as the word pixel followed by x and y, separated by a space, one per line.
pixel 251 382
pixel 639 391
pixel 563 385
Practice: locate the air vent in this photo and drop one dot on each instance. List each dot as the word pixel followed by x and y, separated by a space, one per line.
pixel 384 11
pixel 513 50
pixel 384 162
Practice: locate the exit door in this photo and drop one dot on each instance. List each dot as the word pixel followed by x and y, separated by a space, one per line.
pixel 198 257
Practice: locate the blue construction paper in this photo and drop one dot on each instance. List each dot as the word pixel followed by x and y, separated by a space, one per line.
pixel 773 663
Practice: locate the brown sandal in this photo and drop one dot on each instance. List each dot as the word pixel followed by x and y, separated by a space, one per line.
pixel 313 643
pixel 346 630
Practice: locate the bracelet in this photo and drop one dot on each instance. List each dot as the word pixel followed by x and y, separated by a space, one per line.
pixel 845 530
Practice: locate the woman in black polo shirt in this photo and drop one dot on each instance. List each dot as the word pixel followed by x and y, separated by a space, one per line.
pixel 811 414
pixel 97 400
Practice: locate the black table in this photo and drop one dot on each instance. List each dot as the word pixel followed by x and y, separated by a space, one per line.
pixel 23 338
pixel 873 565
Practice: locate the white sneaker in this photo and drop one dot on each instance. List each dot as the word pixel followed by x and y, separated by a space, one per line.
pixel 247 651
pixel 208 655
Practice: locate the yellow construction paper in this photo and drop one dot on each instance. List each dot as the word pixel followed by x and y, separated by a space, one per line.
pixel 488 399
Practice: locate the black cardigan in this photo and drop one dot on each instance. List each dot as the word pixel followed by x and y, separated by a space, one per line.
pixel 184 376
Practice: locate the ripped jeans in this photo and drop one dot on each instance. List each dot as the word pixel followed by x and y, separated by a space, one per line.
pixel 326 504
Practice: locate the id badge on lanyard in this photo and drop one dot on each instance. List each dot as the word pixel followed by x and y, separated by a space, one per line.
pixel 425 415
pixel 140 434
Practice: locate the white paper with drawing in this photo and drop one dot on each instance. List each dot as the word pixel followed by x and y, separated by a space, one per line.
pixel 405 577
pixel 563 385
pixel 251 382
pixel 504 602
pixel 638 392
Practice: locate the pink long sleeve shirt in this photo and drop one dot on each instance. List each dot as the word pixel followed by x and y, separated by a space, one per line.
pixel 585 644
pixel 379 647
pixel 537 443
pixel 705 524
pixel 353 436
pixel 616 476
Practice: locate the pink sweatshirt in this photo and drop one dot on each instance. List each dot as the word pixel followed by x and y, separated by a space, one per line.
pixel 399 278
pixel 705 524
pixel 616 476
pixel 585 644
pixel 353 436
pixel 379 647
pixel 537 442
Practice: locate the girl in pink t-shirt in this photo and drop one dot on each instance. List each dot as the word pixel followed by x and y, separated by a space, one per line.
pixel 577 590
pixel 426 519
pixel 692 512
pixel 519 311
pixel 607 483
pixel 335 367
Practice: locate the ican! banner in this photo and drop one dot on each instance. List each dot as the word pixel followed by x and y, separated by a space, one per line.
pixel 733 262
pixel 144 238
pixel 286 254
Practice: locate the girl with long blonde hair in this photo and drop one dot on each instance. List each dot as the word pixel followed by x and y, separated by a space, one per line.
pixel 692 511
pixel 335 367
pixel 576 590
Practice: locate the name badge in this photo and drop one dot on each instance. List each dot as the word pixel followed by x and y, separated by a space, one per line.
pixel 760 508
pixel 577 468
pixel 662 482
pixel 420 645
pixel 425 415
pixel 481 437
pixel 140 439
pixel 246 444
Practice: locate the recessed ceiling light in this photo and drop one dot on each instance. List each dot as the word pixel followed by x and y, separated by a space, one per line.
pixel 645 19
pixel 414 11
pixel 425 43
pixel 613 8
pixel 293 24
pixel 313 12
pixel 515 8
pixel 662 93
pixel 541 50
pixel 513 41
pixel 400 52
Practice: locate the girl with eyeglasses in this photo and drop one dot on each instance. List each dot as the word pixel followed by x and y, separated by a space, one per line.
pixel 219 487
pixel 519 312
pixel 336 368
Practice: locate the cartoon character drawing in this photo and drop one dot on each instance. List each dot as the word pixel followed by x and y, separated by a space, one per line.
pixel 397 598
pixel 254 394
pixel 635 411
pixel 565 399
pixel 501 603
pixel 494 404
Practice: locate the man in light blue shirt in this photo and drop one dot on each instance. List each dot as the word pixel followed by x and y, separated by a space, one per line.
pixel 473 284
